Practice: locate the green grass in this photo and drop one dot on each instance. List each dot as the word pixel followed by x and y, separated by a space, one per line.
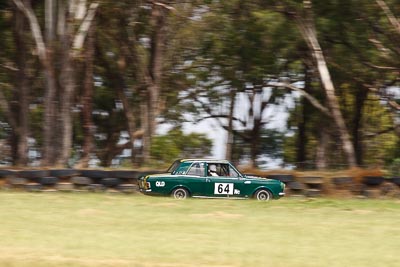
pixel 55 229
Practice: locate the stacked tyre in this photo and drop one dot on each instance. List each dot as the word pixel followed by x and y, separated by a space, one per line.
pixel 68 180
pixel 314 185
pixel 36 180
pixel 344 186
pixel 288 180
pixel 378 187
pixel 371 186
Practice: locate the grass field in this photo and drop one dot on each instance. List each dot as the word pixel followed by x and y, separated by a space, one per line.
pixel 55 229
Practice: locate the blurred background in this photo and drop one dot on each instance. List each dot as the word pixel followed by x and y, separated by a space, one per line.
pixel 271 84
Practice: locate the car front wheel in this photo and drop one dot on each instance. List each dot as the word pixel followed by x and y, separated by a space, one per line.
pixel 263 195
pixel 180 193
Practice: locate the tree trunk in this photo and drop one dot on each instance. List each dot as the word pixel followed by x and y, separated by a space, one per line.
pixel 50 127
pixel 301 153
pixel 321 154
pixel 229 141
pixel 45 54
pixel 309 34
pixel 21 94
pixel 130 121
pixel 255 142
pixel 361 96
pixel 154 78
pixel 390 16
pixel 118 83
pixel 67 81
pixel 50 115
pixel 87 100
pixel 146 139
pixel 50 19
pixel 335 108
pixel 109 151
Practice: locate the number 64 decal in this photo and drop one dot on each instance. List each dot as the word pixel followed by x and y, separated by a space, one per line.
pixel 223 189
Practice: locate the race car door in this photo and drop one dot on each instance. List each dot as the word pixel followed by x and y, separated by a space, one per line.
pixel 226 182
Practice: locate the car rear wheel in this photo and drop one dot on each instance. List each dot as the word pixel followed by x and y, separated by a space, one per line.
pixel 263 195
pixel 180 193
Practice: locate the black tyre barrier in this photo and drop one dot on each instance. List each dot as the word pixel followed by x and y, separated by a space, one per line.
pixel 48 181
pixel 297 186
pixel 64 173
pixel 313 193
pixel 372 193
pixel 95 188
pixel 389 189
pixel 342 181
pixel 94 174
pixel 312 180
pixel 124 174
pixel 81 180
pixel 285 178
pixel 33 174
pixel 373 180
pixel 16 181
pixel 7 173
pixel 394 180
pixel 124 181
pixel 110 182
pixel 127 188
pixel 33 187
pixel 357 189
pixel 65 187
pixel 343 193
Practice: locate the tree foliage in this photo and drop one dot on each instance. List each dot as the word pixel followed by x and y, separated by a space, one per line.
pixel 249 66
pixel 176 144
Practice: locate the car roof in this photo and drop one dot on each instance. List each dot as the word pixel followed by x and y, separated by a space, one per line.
pixel 205 160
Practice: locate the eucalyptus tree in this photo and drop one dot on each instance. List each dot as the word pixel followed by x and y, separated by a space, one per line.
pixel 361 54
pixel 15 64
pixel 21 92
pixel 243 50
pixel 388 45
pixel 142 58
pixel 57 47
pixel 303 18
pixel 7 70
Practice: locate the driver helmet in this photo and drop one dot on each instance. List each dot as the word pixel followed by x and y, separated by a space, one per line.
pixel 213 168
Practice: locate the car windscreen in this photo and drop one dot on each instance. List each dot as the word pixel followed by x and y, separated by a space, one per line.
pixel 182 168
pixel 174 166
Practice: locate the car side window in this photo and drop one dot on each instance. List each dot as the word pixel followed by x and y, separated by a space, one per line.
pixel 224 170
pixel 197 169
pixel 233 172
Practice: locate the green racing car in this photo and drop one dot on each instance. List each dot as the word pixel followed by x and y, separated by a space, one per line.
pixel 208 178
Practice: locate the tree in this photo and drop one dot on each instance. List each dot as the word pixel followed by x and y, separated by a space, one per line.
pixel 48 49
pixel 145 63
pixel 21 93
pixel 175 144
pixel 239 55
pixel 307 29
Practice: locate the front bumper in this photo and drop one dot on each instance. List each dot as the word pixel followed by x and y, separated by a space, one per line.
pixel 281 194
pixel 145 190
